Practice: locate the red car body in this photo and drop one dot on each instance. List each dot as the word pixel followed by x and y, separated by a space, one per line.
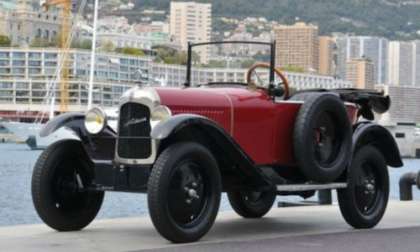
pixel 262 127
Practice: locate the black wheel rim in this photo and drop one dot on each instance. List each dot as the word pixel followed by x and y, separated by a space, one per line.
pixel 189 194
pixel 68 187
pixel 368 189
pixel 326 139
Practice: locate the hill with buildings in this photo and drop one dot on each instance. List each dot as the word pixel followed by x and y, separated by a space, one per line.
pixel 395 19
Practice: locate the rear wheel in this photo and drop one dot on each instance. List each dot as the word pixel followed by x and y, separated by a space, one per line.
pixel 184 192
pixel 59 181
pixel 251 204
pixel 364 201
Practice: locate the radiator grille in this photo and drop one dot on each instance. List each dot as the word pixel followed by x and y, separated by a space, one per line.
pixel 134 140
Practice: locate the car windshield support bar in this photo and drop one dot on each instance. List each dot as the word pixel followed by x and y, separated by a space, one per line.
pixel 190 58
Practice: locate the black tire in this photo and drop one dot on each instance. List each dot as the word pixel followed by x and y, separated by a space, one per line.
pixel 363 203
pixel 176 211
pixel 322 138
pixel 251 204
pixel 56 194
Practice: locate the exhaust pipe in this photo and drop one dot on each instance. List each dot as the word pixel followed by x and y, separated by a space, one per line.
pixel 407 181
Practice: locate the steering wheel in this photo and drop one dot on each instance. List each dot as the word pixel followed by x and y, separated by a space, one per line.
pixel 277 71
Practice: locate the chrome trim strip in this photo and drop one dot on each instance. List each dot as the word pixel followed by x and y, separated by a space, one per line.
pixel 310 187
pixel 232 114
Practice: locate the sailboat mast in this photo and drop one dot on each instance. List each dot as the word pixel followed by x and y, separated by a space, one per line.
pixel 93 56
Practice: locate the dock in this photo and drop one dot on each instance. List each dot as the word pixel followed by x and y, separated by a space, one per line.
pixel 311 228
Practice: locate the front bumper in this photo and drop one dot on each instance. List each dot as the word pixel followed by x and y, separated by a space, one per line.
pixel 110 176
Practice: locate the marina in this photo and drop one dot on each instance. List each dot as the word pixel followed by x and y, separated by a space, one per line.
pixel 130 125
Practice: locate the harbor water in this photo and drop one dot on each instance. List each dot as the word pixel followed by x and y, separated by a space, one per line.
pixel 16 164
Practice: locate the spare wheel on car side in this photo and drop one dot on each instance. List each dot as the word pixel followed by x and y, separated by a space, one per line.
pixel 322 137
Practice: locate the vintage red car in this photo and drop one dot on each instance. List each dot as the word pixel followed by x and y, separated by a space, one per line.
pixel 185 146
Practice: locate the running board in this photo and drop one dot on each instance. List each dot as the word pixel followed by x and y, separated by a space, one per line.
pixel 309 187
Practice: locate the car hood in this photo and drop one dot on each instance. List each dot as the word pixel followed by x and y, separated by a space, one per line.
pixel 217 104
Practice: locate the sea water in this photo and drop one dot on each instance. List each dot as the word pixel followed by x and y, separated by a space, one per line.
pixel 16 164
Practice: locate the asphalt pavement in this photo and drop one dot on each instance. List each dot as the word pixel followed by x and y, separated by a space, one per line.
pixel 309 229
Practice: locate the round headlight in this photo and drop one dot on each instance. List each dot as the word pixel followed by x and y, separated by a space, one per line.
pixel 161 113
pixel 95 121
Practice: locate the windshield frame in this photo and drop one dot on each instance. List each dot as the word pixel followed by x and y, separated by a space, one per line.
pixel 272 46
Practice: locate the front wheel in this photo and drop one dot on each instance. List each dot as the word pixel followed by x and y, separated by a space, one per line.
pixel 251 204
pixel 184 192
pixel 59 181
pixel 364 201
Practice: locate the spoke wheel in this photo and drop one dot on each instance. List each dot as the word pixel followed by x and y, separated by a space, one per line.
pixel 184 192
pixel 364 201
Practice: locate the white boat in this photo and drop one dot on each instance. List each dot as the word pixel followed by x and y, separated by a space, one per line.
pixel 29 132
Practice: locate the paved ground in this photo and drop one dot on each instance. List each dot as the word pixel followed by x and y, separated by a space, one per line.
pixel 319 228
pixel 384 240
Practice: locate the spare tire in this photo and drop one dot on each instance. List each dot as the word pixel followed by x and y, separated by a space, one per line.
pixel 322 137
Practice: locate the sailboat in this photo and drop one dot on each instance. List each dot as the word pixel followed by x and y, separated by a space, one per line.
pixel 29 132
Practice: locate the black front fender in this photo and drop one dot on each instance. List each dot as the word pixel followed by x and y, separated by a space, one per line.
pixel 73 121
pixel 374 134
pixel 98 147
pixel 223 146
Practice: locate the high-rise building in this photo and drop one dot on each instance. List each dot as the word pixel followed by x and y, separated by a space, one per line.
pixel 191 22
pixel 326 56
pixel 297 46
pixel 361 73
pixel 403 63
pixel 355 47
pixel 417 63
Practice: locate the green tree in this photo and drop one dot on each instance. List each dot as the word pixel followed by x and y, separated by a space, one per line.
pixel 40 42
pixel 84 44
pixel 108 46
pixel 294 69
pixel 247 63
pixel 171 56
pixel 131 51
pixel 5 41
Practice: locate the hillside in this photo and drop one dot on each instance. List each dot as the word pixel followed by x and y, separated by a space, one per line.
pixel 390 18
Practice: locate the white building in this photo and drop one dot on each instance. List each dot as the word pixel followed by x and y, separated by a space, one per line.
pixel 405 105
pixel 373 48
pixel 27 74
pixel 28 22
pixel 404 63
pixel 191 22
pixel 175 75
pixel 142 40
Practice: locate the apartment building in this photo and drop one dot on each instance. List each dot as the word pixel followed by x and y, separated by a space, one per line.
pixel 26 75
pixel 191 22
pixel 356 47
pixel 360 72
pixel 297 46
pixel 404 63
pixel 326 55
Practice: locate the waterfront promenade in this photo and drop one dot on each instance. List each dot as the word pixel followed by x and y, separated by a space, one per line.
pixel 317 228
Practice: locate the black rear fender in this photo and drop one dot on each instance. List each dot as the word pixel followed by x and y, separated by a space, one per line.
pixel 237 168
pixel 366 133
pixel 98 147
